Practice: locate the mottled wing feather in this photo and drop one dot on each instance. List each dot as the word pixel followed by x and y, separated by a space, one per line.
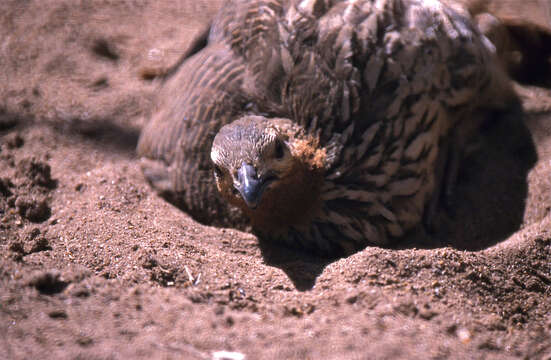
pixel 203 95
pixel 250 28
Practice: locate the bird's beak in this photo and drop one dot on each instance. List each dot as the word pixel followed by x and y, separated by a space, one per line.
pixel 250 185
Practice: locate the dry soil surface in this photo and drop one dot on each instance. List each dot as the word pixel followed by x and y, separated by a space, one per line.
pixel 94 265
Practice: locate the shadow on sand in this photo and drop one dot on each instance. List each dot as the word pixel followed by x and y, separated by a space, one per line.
pixel 108 134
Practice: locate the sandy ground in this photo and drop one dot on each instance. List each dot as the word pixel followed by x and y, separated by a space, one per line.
pixel 94 265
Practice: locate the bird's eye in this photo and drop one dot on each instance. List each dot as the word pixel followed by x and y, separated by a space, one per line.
pixel 279 151
pixel 218 171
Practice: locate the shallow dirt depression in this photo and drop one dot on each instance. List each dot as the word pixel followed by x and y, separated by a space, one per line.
pixel 94 265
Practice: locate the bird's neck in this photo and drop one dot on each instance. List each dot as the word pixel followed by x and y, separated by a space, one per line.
pixel 298 200
pixel 295 204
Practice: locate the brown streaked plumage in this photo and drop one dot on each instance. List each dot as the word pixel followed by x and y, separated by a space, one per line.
pixel 329 123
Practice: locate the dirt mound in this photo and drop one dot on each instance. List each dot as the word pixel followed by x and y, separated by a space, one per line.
pixel 94 265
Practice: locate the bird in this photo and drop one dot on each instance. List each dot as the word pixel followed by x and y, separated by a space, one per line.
pixel 328 125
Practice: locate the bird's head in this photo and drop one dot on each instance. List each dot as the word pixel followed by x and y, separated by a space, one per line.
pixel 266 165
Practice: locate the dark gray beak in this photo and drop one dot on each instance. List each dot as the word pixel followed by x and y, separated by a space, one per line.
pixel 250 186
